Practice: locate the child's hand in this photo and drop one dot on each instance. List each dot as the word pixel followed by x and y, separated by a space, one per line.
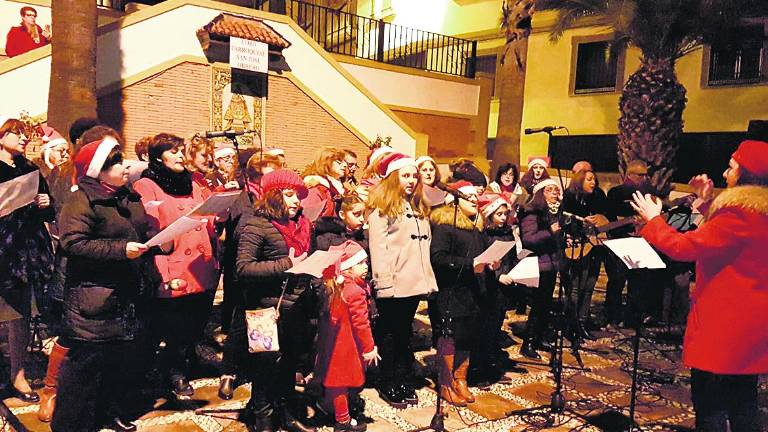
pixel 506 279
pixel 373 357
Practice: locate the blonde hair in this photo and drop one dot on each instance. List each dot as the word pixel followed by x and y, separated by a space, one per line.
pixel 197 144
pixel 323 163
pixel 388 198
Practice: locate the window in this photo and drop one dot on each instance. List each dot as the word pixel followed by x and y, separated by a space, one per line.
pixel 740 61
pixel 597 67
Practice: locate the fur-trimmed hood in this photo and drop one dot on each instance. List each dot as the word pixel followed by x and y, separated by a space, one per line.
pixel 443 215
pixel 752 198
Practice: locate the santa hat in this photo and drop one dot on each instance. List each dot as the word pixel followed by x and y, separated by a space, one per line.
pixel 544 183
pixel 393 162
pixel 421 159
pixel 91 157
pixel 379 152
pixel 752 155
pixel 51 138
pixel 284 179
pixel 538 161
pixel 352 254
pixel 464 187
pixel 489 203
pixel 275 152
pixel 223 151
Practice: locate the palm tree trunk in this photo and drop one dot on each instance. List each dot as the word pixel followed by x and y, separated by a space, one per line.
pixel 651 122
pixel 72 90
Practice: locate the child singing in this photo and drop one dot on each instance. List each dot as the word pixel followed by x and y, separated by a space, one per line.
pixel 346 344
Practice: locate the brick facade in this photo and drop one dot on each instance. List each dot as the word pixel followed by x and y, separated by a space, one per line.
pixel 177 101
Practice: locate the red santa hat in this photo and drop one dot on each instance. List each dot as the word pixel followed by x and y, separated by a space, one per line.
pixel 489 203
pixel 752 155
pixel 379 152
pixel 536 160
pixel 352 254
pixel 275 152
pixel 421 159
pixel 544 183
pixel 393 162
pixel 223 150
pixel 51 138
pixel 92 156
pixel 464 187
pixel 284 179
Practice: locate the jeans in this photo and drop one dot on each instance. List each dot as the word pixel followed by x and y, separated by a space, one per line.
pixel 721 399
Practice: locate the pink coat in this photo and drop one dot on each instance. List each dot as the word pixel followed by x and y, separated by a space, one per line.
pixel 345 337
pixel 192 259
pixel 726 331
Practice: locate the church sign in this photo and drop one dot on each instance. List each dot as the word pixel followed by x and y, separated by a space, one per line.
pixel 248 55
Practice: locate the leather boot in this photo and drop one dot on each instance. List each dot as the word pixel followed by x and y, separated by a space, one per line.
pixel 447 383
pixel 460 376
pixel 48 394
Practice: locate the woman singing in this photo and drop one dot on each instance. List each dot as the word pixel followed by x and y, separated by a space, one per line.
pixel 399 235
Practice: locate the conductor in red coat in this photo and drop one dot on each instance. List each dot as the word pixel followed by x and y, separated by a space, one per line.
pixel 726 339
pixel 28 35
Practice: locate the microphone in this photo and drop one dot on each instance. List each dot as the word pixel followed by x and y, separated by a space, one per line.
pixel 228 133
pixel 573 216
pixel 456 194
pixel 546 129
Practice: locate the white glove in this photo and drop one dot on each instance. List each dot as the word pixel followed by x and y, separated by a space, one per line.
pixel 373 357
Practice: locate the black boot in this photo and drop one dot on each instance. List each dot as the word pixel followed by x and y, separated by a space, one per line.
pixel 528 350
pixel 393 394
pixel 181 386
pixel 351 425
pixel 292 424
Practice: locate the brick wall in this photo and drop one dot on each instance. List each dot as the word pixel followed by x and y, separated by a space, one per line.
pixel 300 126
pixel 177 101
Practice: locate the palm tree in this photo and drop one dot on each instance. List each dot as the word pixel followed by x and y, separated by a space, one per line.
pixel 516 22
pixel 72 90
pixel 653 100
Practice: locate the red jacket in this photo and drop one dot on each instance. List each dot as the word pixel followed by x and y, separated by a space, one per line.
pixel 726 331
pixel 192 258
pixel 345 337
pixel 19 41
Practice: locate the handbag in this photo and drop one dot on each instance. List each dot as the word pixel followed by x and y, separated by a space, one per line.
pixel 261 327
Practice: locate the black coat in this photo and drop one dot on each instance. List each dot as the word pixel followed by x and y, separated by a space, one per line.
pixel 510 259
pixel 26 255
pixel 536 235
pixel 105 292
pixel 261 262
pixel 452 253
pixel 331 231
pixel 584 205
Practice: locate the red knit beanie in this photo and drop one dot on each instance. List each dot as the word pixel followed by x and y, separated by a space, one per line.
pixel 284 179
pixel 91 157
pixel 753 156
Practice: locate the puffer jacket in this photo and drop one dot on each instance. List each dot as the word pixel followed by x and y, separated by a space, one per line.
pixel 330 231
pixel 260 265
pixel 105 293
pixel 536 234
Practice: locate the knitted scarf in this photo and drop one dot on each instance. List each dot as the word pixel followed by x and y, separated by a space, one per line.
pixel 172 183
pixel 296 233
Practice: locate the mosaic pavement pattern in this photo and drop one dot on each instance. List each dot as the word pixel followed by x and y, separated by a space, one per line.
pixel 597 397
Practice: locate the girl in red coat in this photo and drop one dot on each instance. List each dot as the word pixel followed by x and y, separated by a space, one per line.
pixel 726 342
pixel 347 342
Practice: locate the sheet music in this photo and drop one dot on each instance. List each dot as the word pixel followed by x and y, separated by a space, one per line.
pixel 316 263
pixel 526 272
pixel 635 253
pixel 180 226
pixel 495 252
pixel 19 192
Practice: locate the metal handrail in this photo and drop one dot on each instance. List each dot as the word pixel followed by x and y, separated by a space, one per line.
pixel 350 34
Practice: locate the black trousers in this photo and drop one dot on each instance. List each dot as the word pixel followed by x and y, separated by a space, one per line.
pixel 542 303
pixel 272 374
pixel 584 273
pixel 393 337
pixel 720 400
pixel 180 323
pixel 97 382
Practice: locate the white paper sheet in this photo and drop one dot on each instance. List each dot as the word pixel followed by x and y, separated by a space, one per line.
pixel 180 226
pixel 316 263
pixel 312 207
pixel 495 252
pixel 215 204
pixel 636 253
pixel 18 192
pixel 526 272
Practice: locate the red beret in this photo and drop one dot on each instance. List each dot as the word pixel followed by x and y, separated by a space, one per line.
pixel 753 157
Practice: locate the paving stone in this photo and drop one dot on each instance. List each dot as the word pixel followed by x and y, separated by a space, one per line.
pixel 589 386
pixel 420 417
pixel 492 406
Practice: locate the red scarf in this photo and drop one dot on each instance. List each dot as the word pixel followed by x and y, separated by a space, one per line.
pixel 297 234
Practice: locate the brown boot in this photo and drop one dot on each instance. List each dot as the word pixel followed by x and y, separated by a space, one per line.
pixel 48 394
pixel 460 376
pixel 447 383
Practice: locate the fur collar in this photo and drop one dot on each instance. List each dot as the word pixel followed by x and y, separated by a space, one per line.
pixel 753 198
pixel 444 216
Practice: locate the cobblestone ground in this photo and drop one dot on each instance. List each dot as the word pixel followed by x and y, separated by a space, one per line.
pixel 597 397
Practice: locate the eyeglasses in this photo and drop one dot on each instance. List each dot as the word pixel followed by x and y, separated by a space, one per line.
pixel 226 158
pixel 31 15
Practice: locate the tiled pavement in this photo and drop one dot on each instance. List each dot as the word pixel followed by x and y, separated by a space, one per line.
pixel 594 396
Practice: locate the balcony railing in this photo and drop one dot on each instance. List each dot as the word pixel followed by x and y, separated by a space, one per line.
pixel 349 34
